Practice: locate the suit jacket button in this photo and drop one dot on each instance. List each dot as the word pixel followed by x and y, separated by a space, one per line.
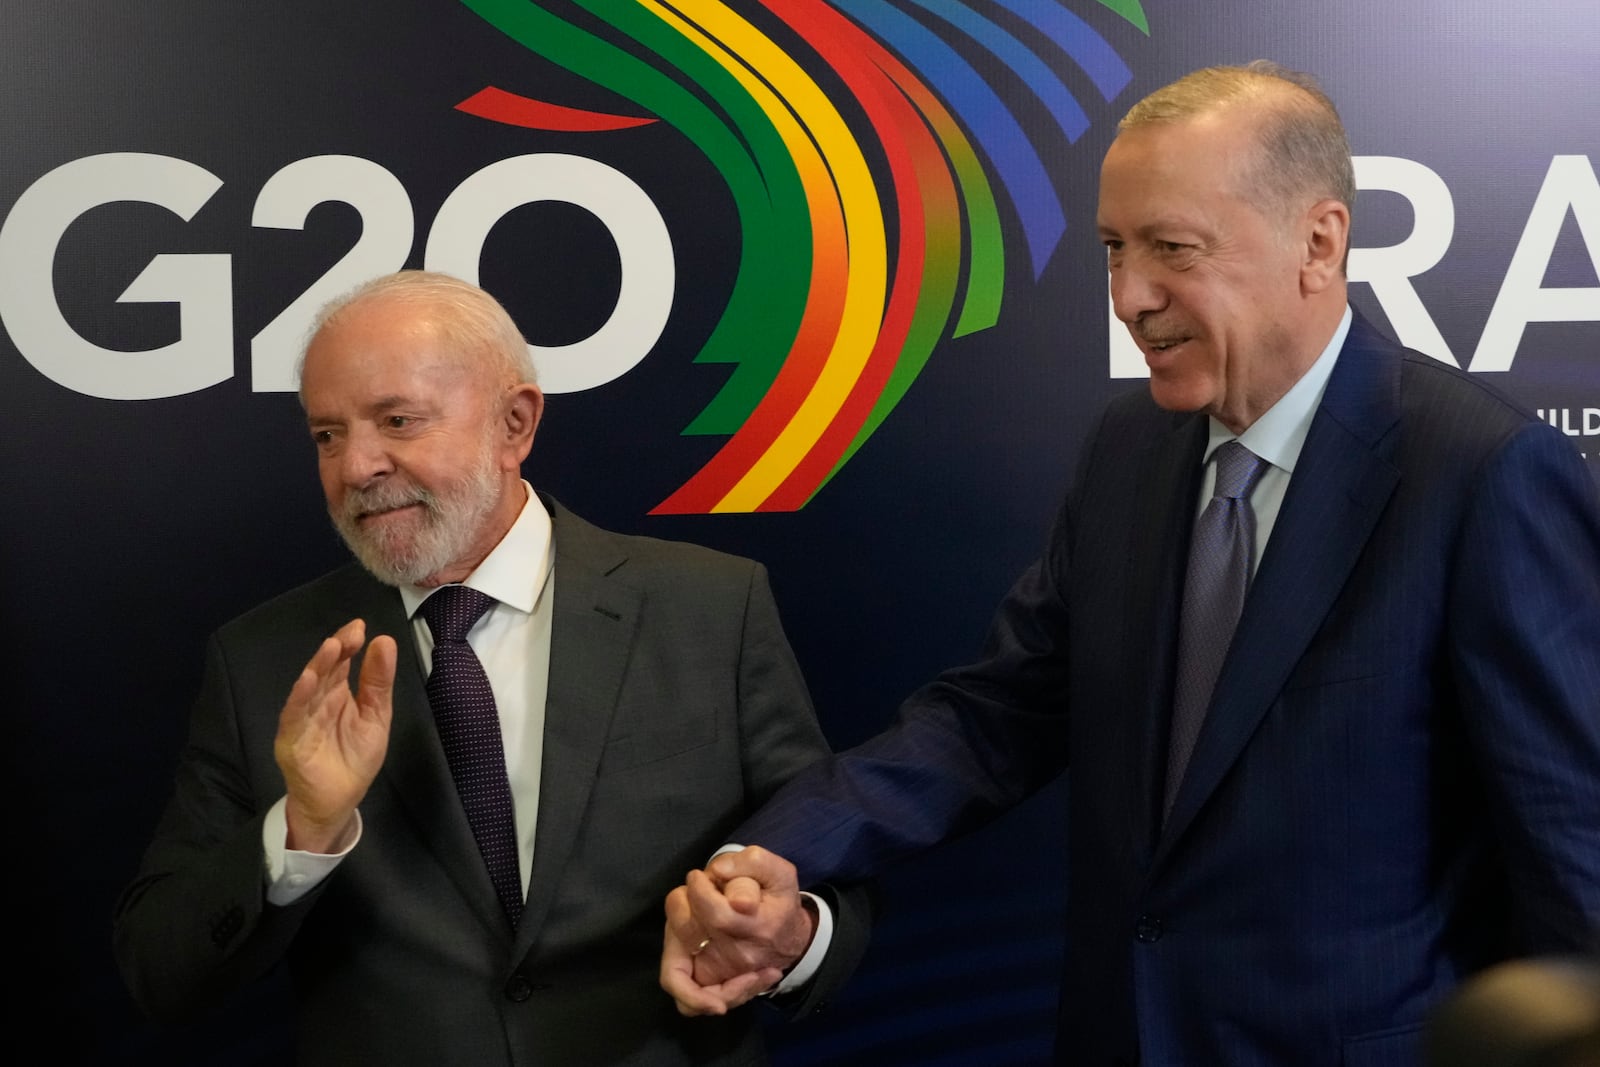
pixel 1148 929
pixel 225 926
pixel 518 988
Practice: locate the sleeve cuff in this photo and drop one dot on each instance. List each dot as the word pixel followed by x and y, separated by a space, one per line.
pixel 807 965
pixel 291 874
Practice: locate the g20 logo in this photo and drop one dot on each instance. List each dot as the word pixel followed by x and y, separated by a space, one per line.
pixel 201 284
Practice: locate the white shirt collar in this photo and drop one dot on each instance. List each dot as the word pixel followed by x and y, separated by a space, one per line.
pixel 514 571
pixel 1279 434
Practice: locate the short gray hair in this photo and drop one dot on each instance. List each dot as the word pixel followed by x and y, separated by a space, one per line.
pixel 473 321
pixel 1304 149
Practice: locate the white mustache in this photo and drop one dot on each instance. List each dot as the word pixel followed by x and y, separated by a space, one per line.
pixel 386 496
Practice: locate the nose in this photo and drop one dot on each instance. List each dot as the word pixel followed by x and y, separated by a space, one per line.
pixel 1135 292
pixel 364 458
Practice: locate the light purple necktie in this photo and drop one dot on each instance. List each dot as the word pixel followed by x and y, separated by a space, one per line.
pixel 469 727
pixel 1220 558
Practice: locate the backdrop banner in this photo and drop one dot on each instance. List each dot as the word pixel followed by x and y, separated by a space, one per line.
pixel 814 281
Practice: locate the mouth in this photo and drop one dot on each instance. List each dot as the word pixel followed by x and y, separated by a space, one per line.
pixel 381 514
pixel 1159 349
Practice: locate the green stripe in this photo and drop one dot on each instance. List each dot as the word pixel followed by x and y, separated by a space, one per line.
pixel 769 290
pixel 1131 10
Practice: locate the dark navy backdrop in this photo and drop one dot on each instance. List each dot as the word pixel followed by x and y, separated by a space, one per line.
pixel 133 527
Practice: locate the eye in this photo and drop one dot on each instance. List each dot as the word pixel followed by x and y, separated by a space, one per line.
pixel 397 422
pixel 322 438
pixel 1170 247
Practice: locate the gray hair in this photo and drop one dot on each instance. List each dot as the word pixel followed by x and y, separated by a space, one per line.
pixel 1304 149
pixel 472 321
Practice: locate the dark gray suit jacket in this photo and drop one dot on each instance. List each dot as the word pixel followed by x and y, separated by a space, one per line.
pixel 675 707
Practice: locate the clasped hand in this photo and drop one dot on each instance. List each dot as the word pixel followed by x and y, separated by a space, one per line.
pixel 330 741
pixel 733 930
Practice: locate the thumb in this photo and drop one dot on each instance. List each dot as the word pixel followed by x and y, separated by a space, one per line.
pixel 375 689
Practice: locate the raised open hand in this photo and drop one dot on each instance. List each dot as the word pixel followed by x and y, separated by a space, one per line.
pixel 331 741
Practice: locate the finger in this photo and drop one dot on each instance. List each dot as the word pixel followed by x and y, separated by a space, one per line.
pixel 298 703
pixel 689 997
pixel 709 962
pixel 681 924
pixel 677 971
pixel 770 870
pixel 746 987
pixel 743 895
pixel 724 943
pixel 342 644
pixel 375 687
pixel 329 668
pixel 711 909
pixel 306 699
pixel 351 636
pixel 745 913
pixel 720 961
pixel 347 642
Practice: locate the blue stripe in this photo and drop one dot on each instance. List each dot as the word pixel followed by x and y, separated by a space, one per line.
pixel 986 118
pixel 1077 39
pixel 1038 77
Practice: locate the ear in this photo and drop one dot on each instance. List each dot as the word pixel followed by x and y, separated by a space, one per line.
pixel 523 408
pixel 1327 240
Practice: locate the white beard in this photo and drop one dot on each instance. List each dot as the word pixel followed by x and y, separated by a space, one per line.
pixel 451 521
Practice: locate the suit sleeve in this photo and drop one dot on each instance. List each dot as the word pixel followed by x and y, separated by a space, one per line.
pixel 973 743
pixel 1525 648
pixel 780 736
pixel 194 923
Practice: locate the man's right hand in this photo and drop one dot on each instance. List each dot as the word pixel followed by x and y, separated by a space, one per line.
pixel 331 742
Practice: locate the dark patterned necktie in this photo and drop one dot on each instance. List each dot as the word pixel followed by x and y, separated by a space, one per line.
pixel 469 728
pixel 1213 596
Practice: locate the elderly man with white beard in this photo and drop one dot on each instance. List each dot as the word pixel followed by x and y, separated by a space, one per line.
pixel 506 735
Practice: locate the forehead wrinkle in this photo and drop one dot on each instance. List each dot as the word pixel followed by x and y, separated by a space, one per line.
pixel 397 400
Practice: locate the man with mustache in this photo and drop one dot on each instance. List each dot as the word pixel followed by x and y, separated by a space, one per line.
pixel 457 828
pixel 1316 636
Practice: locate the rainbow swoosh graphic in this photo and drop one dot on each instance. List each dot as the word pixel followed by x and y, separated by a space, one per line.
pixel 848 277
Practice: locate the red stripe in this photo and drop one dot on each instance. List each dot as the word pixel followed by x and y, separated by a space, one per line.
pixel 497 105
pixel 911 154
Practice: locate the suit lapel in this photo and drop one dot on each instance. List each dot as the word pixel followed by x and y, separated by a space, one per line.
pixel 595 618
pixel 417 775
pixel 1341 483
pixel 1170 471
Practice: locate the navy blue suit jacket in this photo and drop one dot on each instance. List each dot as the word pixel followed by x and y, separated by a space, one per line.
pixel 1398 780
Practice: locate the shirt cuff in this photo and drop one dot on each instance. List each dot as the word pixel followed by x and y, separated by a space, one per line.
pixel 291 873
pixel 806 967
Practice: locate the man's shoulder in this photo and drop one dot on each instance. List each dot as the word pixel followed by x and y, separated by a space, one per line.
pixel 1452 420
pixel 1433 396
pixel 321 605
pixel 1440 426
pixel 640 557
pixel 1130 423
pixel 1135 409
pixel 1428 386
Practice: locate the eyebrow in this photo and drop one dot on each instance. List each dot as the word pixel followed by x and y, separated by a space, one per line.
pixel 380 406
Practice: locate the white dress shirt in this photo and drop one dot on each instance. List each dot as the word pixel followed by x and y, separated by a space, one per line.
pixel 1277 437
